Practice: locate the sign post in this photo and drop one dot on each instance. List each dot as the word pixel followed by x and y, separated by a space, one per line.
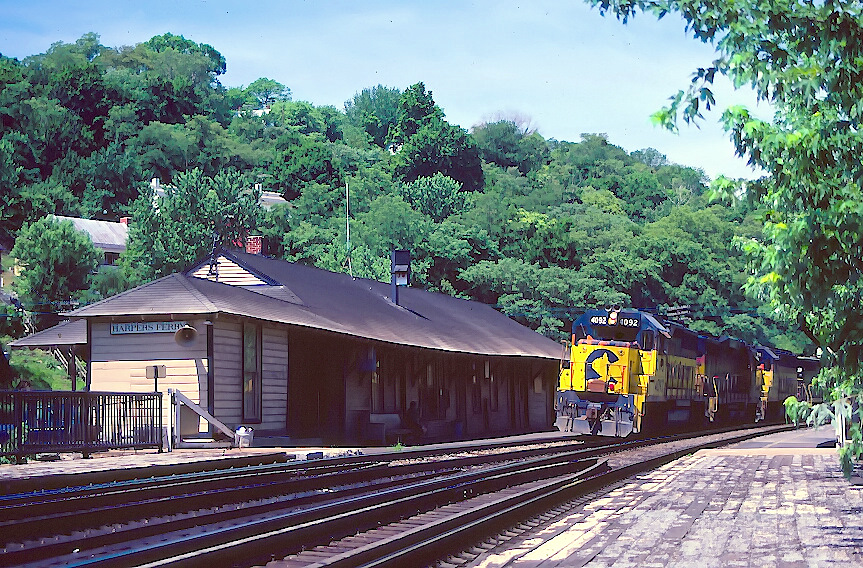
pixel 156 372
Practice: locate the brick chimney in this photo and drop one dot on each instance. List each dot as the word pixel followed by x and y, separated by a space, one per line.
pixel 254 244
pixel 125 220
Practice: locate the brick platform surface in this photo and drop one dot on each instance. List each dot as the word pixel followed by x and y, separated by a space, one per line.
pixel 774 505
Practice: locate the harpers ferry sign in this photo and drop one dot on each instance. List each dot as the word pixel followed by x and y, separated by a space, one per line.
pixel 146 327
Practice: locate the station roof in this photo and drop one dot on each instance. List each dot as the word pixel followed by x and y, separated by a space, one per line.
pixel 72 332
pixel 106 235
pixel 300 295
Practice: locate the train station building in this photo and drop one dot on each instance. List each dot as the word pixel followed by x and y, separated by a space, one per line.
pixel 299 352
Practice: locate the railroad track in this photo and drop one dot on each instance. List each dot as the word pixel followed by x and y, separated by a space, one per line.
pixel 251 514
pixel 462 531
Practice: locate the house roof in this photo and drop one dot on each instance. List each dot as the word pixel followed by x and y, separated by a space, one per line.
pixel 106 235
pixel 267 200
pixel 315 298
pixel 72 332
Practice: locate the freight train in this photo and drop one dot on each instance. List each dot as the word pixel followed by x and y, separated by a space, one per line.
pixel 627 371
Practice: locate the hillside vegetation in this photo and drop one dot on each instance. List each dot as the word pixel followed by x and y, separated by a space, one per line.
pixel 540 228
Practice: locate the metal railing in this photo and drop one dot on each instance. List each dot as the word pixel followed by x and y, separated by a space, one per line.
pixel 32 422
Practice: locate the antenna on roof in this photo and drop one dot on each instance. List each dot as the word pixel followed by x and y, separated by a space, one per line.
pixel 348 227
pixel 214 263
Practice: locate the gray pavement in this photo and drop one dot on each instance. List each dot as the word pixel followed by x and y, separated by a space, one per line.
pixel 776 501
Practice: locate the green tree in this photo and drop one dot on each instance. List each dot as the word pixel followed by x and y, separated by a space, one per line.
pixel 301 160
pixel 11 321
pixel 650 157
pixel 805 59
pixel 505 144
pixel 536 296
pixel 56 264
pixel 390 223
pixel 267 91
pixel 416 109
pixel 170 43
pixel 299 117
pixel 40 369
pixel 12 205
pixel 642 193
pixel 439 147
pixel 437 196
pixel 167 234
pixel 427 144
pixel 375 110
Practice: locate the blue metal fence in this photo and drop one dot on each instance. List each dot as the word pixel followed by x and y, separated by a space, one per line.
pixel 32 422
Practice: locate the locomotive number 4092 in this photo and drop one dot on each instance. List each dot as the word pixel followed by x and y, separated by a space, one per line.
pixel 625 322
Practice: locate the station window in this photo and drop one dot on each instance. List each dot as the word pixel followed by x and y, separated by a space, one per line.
pixel 385 383
pixel 377 384
pixel 252 391
pixel 434 395
pixel 494 389
pixel 475 391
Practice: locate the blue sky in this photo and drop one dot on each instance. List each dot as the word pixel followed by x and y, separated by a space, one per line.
pixel 559 63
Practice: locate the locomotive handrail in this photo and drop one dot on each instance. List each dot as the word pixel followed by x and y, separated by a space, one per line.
pixel 607 342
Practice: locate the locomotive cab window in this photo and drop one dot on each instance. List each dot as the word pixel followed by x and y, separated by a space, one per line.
pixel 580 333
pixel 646 340
pixel 617 332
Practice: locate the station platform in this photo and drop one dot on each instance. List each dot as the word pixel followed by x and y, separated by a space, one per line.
pixel 777 501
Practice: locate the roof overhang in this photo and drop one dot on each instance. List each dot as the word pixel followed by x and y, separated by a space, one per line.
pixel 72 332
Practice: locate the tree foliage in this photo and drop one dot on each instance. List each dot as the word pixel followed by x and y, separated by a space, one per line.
pixel 427 144
pixel 168 233
pixel 56 262
pixel 375 110
pixel 437 196
pixel 39 369
pixel 806 60
pixel 507 145
pixel 267 91
pixel 537 227
pixel 439 147
pixel 302 160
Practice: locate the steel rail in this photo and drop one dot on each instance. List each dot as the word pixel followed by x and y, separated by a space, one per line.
pixel 93 507
pixel 170 515
pixel 63 481
pixel 87 507
pixel 458 530
pixel 55 549
pixel 40 514
pixel 292 530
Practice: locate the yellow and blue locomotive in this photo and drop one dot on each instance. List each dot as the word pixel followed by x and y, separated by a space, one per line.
pixel 782 374
pixel 627 372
